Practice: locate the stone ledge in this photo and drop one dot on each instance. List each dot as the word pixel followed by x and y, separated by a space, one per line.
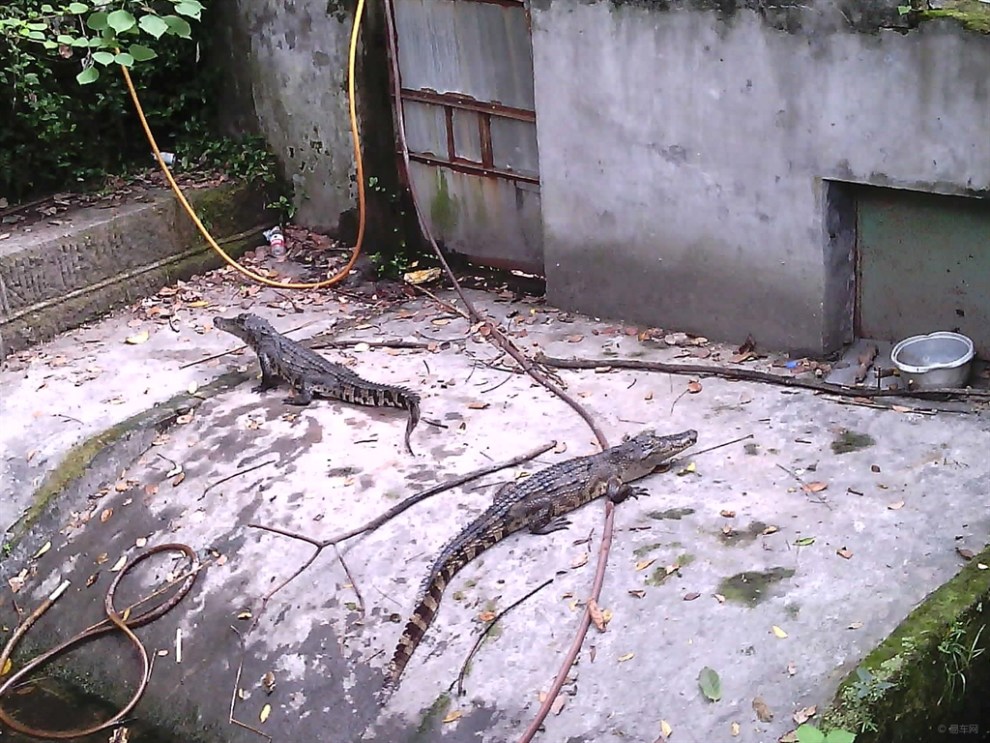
pixel 57 278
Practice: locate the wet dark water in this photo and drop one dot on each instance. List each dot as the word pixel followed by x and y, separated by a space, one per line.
pixel 46 704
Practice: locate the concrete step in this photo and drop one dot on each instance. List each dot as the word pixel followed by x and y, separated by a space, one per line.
pixel 54 277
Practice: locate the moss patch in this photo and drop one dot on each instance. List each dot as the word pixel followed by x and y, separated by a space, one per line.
pixel 909 685
pixel 972 14
pixel 83 456
pixel 752 587
pixel 848 441
pixel 672 514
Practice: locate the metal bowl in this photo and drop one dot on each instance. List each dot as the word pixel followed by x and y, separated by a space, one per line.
pixel 936 360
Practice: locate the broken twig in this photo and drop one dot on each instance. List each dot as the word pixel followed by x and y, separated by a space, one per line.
pixel 754 375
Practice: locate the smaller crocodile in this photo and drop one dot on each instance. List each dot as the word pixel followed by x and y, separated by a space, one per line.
pixel 309 374
pixel 537 503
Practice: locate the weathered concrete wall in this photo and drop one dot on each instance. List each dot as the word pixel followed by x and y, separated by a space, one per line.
pixel 288 80
pixel 683 152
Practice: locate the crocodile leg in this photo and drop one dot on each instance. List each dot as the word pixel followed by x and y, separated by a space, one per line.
pixel 303 394
pixel 269 378
pixel 554 524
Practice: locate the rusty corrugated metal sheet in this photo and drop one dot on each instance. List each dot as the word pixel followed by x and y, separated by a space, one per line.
pixel 482 50
pixel 466 74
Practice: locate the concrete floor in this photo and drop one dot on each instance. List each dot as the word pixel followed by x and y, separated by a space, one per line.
pixel 756 551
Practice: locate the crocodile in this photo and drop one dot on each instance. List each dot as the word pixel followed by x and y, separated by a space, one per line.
pixel 309 374
pixel 537 503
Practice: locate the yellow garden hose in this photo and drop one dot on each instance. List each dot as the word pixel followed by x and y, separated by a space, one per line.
pixel 352 54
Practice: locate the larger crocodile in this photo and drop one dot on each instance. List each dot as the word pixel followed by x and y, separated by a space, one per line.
pixel 309 374
pixel 537 503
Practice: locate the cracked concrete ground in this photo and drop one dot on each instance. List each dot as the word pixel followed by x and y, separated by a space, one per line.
pixel 754 550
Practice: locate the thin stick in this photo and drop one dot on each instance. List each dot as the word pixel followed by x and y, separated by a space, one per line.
pixel 371 344
pixel 222 480
pixel 413 499
pixel 804 487
pixel 459 681
pixel 754 375
pixel 719 446
pixel 233 697
pixel 350 577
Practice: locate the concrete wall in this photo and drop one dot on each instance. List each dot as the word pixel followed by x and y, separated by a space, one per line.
pixel 288 81
pixel 683 152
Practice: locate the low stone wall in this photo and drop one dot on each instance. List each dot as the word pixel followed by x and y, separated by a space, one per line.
pixel 57 277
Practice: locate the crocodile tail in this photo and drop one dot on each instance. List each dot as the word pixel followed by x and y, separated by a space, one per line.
pixel 420 621
pixel 411 400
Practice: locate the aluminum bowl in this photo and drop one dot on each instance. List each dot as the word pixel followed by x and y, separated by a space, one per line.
pixel 933 361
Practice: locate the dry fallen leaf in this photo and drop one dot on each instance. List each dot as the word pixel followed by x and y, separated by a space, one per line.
pixel 119 565
pixel 265 712
pixel 6 667
pixel 574 338
pixel 580 560
pixel 624 658
pixel 763 712
pixel 844 553
pixel 719 597
pixel 453 716
pixel 896 505
pixel 644 564
pixel 665 729
pixel 694 387
pixel 637 593
pixel 486 616
pixel 597 617
pixel 734 729
pixel 791 668
pixel 770 530
pixel 966 554
pixel 691 596
pixel 268 682
pixel 177 480
pixel 777 631
pixel 789 737
pixel 105 516
pixel 44 548
pixel 816 487
pixel 477 405
pixel 804 714
pixel 244 615
pixel 855 625
pixel 648 395
pixel 727 514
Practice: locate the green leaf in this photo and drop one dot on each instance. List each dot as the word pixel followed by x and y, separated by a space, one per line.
pixel 87 76
pixel 178 26
pixel 78 8
pixel 46 8
pixel 36 35
pixel 124 59
pixel 840 736
pixel 903 9
pixel 804 541
pixel 97 21
pixel 809 734
pixel 711 685
pixel 142 53
pixel 120 21
pixel 103 58
pixel 189 8
pixel 153 25
pixel 64 39
pixel 49 44
pixel 38 26
pixel 80 41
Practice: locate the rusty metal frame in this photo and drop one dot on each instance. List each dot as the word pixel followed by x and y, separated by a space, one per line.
pixel 485 110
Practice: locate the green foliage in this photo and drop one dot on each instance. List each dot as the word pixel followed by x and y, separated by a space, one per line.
pixel 810 734
pixel 710 683
pixel 58 133
pixel 106 32
pixel 958 655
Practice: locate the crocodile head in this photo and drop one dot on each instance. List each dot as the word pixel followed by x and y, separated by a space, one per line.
pixel 646 451
pixel 245 326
